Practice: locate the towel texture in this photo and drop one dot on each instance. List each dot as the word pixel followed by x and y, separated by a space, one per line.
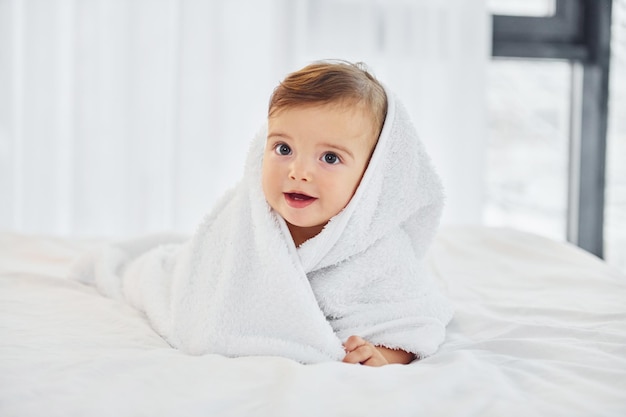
pixel 239 286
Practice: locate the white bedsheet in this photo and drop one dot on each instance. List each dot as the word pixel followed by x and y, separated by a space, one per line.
pixel 540 329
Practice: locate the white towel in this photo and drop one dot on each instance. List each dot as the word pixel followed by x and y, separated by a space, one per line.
pixel 240 287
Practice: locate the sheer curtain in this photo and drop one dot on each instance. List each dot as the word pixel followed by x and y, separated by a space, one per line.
pixel 122 117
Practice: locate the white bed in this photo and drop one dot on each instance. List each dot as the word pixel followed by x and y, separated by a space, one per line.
pixel 540 329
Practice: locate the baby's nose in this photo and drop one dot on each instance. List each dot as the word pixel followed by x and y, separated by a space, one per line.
pixel 300 170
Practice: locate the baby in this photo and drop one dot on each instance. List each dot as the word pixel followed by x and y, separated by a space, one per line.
pixel 324 121
pixel 317 254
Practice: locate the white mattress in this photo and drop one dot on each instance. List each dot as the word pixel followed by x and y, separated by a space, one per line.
pixel 540 329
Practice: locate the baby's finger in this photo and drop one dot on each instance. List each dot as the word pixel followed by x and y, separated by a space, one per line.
pixel 359 355
pixel 354 342
pixel 375 360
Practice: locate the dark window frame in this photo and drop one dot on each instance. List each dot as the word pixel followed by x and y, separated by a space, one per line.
pixel 579 32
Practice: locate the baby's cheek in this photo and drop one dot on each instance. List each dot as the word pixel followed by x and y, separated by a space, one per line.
pixel 348 192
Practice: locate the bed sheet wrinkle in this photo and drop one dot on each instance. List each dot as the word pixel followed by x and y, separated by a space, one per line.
pixel 548 338
pixel 559 380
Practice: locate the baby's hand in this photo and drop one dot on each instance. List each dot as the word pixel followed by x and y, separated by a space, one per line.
pixel 359 350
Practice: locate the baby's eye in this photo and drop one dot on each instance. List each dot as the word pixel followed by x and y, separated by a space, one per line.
pixel 282 149
pixel 331 158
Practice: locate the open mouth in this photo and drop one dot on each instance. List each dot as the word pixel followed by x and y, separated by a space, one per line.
pixel 299 197
pixel 298 200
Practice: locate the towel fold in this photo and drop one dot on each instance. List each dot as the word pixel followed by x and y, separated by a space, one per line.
pixel 240 287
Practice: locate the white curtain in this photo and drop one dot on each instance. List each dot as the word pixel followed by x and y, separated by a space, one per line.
pixel 124 117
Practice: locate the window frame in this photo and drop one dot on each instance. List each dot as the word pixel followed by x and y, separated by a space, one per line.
pixel 579 32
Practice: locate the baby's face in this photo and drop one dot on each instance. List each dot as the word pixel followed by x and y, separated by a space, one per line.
pixel 313 162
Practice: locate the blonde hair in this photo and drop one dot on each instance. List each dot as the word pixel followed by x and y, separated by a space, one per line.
pixel 326 82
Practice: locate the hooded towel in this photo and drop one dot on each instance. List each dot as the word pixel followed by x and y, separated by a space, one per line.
pixel 240 287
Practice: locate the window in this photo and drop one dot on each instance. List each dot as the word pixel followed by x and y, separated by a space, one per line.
pixel 615 211
pixel 538 8
pixel 567 42
pixel 527 151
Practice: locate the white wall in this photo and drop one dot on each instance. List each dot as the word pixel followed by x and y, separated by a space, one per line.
pixel 127 117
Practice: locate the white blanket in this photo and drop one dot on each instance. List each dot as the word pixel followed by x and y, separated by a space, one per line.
pixel 240 287
pixel 539 330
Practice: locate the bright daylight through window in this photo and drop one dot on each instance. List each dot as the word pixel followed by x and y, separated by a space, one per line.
pixel 529 113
